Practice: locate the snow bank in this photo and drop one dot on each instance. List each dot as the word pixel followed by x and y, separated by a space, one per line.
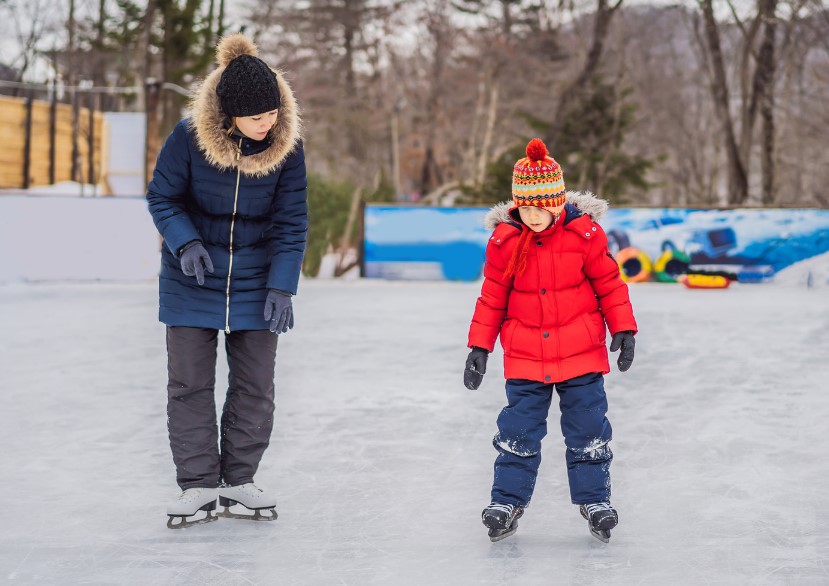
pixel 812 272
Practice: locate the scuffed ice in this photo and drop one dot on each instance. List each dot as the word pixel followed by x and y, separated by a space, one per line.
pixel 376 439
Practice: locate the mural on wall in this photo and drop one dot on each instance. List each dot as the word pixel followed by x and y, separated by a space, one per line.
pixel 663 244
pixel 416 242
pixel 747 245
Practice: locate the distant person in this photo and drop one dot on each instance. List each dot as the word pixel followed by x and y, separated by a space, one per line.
pixel 550 289
pixel 229 197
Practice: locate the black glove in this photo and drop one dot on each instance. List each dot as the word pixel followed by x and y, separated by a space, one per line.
pixel 279 311
pixel 194 261
pixel 475 369
pixel 625 341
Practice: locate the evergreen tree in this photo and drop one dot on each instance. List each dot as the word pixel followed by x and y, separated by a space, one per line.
pixel 329 206
pixel 591 146
pixel 590 150
pixel 181 35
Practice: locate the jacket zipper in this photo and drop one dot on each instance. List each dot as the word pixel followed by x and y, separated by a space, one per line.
pixel 232 224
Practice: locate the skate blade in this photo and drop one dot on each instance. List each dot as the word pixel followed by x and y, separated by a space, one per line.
pixel 256 516
pixel 495 524
pixel 184 523
pixel 602 535
pixel 499 534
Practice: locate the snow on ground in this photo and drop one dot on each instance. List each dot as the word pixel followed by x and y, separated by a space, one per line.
pixel 382 459
pixel 61 189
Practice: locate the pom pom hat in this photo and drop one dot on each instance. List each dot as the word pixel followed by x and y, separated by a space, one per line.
pixel 537 179
pixel 248 86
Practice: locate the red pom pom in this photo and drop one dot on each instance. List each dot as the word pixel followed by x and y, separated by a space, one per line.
pixel 536 150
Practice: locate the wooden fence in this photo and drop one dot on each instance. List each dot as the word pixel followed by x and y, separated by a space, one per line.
pixel 38 147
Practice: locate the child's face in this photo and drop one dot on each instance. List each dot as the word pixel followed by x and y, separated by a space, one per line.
pixel 537 219
pixel 256 127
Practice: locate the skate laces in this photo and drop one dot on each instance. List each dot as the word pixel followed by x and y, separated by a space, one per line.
pixel 247 488
pixel 508 509
pixel 189 494
pixel 594 507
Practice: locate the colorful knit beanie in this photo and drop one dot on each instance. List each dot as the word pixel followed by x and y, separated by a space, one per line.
pixel 537 179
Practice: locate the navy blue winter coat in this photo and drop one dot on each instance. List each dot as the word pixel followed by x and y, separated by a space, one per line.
pixel 245 200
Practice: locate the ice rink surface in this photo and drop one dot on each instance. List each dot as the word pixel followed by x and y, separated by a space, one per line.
pixel 382 460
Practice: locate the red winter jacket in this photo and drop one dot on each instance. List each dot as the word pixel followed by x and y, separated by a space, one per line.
pixel 552 318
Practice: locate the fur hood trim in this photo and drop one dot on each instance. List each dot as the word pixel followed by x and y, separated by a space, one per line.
pixel 586 202
pixel 210 124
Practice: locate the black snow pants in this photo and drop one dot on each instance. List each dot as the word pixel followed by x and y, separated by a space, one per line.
pixel 247 415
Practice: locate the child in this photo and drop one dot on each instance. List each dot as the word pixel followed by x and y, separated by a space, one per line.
pixel 229 197
pixel 550 287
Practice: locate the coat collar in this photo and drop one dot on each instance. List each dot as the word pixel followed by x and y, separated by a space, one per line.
pixel 210 127
pixel 578 203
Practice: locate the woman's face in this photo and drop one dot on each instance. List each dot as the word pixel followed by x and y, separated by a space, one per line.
pixel 537 219
pixel 258 126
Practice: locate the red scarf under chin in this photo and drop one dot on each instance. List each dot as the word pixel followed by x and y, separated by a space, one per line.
pixel 518 261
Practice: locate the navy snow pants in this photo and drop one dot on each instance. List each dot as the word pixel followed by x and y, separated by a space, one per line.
pixel 523 423
pixel 204 454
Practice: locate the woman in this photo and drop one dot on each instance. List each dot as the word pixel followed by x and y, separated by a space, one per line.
pixel 228 195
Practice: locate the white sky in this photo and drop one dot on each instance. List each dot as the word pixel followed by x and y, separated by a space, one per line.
pixel 18 16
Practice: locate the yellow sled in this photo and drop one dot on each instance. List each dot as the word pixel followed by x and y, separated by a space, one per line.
pixel 694 281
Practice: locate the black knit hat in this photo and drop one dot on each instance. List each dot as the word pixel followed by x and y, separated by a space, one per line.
pixel 248 87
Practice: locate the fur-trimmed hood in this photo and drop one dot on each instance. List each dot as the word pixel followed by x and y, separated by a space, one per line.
pixel 210 124
pixel 586 202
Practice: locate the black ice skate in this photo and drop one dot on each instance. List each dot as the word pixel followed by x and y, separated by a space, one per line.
pixel 249 496
pixel 601 518
pixel 502 520
pixel 188 504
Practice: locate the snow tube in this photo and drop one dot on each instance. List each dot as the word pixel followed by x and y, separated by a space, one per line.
pixel 695 281
pixel 670 264
pixel 634 265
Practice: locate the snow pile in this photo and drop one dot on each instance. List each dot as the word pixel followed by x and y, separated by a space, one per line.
pixel 812 272
pixel 62 189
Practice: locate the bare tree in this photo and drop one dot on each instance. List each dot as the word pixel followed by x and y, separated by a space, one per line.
pixel 437 112
pixel 764 88
pixel 33 25
pixel 605 9
pixel 718 82
pixel 757 96
pixel 438 26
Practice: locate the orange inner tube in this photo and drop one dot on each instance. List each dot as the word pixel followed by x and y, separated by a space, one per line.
pixel 634 265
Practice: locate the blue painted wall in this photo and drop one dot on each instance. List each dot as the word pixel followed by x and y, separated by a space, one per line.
pixel 414 242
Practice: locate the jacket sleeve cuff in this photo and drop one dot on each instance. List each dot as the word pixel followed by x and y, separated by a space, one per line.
pixel 284 273
pixel 488 345
pixel 177 239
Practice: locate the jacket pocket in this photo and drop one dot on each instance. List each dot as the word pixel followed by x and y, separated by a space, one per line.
pixel 524 342
pixel 577 336
pixel 507 332
pixel 596 330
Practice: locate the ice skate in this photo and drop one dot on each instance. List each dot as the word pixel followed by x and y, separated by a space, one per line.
pixel 188 504
pixel 249 496
pixel 502 520
pixel 601 518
